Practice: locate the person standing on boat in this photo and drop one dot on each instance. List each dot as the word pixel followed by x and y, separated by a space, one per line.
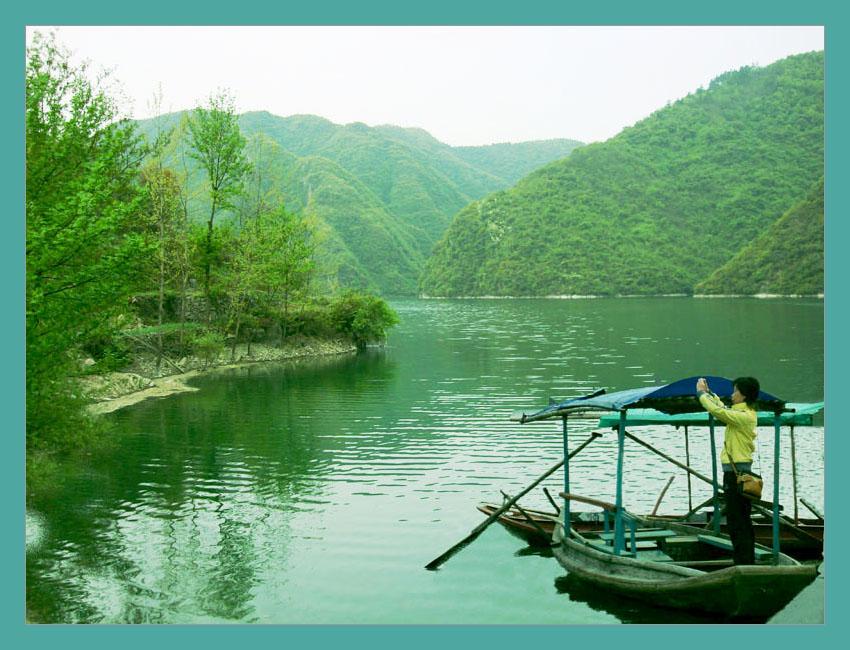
pixel 738 446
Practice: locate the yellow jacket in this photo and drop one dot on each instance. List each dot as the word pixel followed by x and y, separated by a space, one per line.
pixel 741 421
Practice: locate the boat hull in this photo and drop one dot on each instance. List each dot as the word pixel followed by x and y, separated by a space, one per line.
pixel 737 591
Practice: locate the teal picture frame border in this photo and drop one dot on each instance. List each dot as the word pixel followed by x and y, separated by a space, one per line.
pixel 384 12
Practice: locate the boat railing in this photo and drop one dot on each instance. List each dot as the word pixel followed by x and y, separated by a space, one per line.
pixel 609 510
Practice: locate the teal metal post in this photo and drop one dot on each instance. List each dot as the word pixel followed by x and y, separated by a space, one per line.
pixel 716 517
pixel 566 481
pixel 619 542
pixel 776 488
pixel 688 463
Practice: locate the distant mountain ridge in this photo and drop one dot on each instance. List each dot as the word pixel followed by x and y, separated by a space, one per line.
pixel 654 210
pixel 383 195
pixel 421 180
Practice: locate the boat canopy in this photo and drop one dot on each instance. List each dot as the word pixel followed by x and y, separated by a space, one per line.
pixel 796 414
pixel 675 404
pixel 670 399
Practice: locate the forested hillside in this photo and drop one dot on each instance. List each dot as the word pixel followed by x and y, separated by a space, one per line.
pixel 363 244
pixel 513 160
pixel 381 195
pixel 785 259
pixel 656 209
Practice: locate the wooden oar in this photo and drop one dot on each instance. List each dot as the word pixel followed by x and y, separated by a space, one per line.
pixel 788 524
pixel 436 562
pixel 702 477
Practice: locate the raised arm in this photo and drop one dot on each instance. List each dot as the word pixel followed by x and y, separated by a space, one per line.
pixel 711 403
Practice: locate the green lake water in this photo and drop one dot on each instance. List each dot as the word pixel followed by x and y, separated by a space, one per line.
pixel 315 492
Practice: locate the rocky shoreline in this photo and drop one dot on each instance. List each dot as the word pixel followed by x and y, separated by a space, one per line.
pixel 139 381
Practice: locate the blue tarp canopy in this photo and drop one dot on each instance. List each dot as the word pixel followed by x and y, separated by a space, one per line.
pixel 670 399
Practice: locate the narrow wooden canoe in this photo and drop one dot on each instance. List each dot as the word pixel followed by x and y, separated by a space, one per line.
pixel 807 544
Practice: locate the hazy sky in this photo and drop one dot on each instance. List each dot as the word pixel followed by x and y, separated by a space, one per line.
pixel 464 85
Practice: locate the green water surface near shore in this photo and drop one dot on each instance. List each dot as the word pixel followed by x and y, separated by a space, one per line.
pixel 315 492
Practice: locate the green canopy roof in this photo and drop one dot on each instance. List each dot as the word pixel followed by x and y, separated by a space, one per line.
pixel 802 415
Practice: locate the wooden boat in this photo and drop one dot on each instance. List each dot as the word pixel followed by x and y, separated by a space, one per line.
pixel 674 565
pixel 804 544
pixel 539 531
pixel 683 567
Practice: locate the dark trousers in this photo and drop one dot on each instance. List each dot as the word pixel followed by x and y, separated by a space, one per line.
pixel 738 521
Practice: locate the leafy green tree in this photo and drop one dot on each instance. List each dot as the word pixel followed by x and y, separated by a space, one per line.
pixel 364 318
pixel 163 191
pixel 82 209
pixel 164 211
pixel 219 148
pixel 263 183
pixel 289 262
pixel 245 266
pixel 185 249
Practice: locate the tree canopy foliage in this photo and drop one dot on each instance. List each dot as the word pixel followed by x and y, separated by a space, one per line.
pixel 219 147
pixel 655 209
pixel 82 235
pixel 110 222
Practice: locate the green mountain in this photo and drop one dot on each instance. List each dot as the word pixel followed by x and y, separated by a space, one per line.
pixel 503 164
pixel 514 160
pixel 422 181
pixel 362 243
pixel 397 175
pixel 655 209
pixel 787 258
pixel 382 195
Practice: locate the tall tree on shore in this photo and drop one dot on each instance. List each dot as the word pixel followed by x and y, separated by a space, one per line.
pixel 82 207
pixel 187 233
pixel 288 271
pixel 163 207
pixel 219 147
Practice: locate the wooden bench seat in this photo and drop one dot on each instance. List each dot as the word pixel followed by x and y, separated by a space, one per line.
pixel 721 542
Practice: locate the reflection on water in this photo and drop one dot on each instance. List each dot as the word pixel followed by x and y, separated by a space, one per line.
pixel 315 492
pixel 629 610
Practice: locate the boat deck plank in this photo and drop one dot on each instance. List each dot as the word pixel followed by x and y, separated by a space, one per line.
pixel 726 544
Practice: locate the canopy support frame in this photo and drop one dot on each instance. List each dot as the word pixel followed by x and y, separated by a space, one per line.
pixel 715 496
pixel 619 541
pixel 776 435
pixel 566 479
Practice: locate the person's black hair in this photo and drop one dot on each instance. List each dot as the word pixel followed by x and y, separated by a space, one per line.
pixel 749 388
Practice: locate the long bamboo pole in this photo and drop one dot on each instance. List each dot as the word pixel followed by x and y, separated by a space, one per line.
pixel 677 463
pixel 436 562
